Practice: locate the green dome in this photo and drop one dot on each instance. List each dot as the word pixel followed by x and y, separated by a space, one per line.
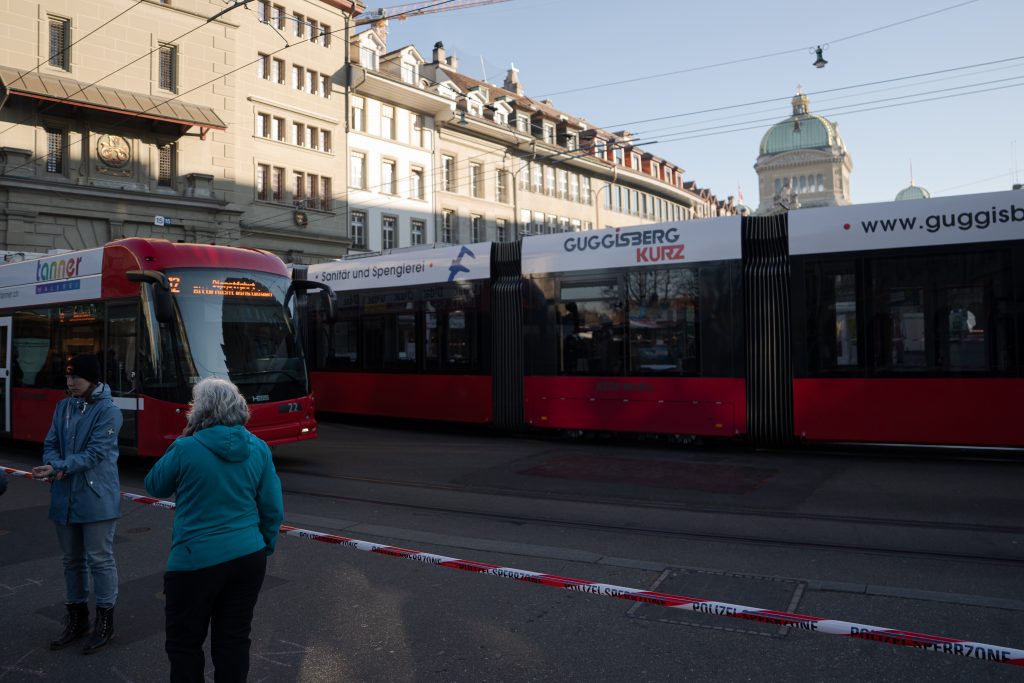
pixel 913 192
pixel 802 130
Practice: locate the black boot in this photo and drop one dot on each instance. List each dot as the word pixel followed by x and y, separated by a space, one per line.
pixel 102 632
pixel 76 625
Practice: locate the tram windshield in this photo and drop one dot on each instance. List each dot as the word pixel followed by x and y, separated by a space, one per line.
pixel 235 325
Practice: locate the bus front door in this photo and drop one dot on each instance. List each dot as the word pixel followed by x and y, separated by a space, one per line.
pixel 6 361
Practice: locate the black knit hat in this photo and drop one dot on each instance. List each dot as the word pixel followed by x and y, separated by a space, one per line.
pixel 86 366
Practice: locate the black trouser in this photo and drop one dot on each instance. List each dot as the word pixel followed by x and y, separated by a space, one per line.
pixel 222 597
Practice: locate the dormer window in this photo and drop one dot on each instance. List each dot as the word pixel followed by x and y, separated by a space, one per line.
pixel 655 170
pixel 549 133
pixel 500 117
pixel 368 57
pixel 635 161
pixel 409 72
pixel 523 123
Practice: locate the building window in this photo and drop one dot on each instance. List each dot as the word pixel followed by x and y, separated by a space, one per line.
pixel 314 31
pixel 55 143
pixel 277 130
pixel 325 35
pixel 312 81
pixel 448 173
pixel 523 123
pixel 262 180
pixel 549 181
pixel 501 229
pixel 448 226
pixel 417 231
pixel 585 188
pixel 409 72
pixel 263 66
pixel 368 57
pixel 325 86
pixel 476 223
pixel 325 140
pixel 549 133
pixel 387 122
pixel 501 186
pixel 326 198
pixel 312 137
pixel 357 171
pixel 357 229
pixel 60 43
pixel 358 114
pixel 388 224
pixel 298 186
pixel 563 184
pixel 262 125
pixel 277 184
pixel 169 68
pixel 166 164
pixel 300 26
pixel 298 77
pixel 538 177
pixel 263 11
pixel 387 177
pixel 298 133
pixel 416 183
pixel 476 187
pixel 277 75
pixel 574 187
pixel 635 161
pixel 279 17
pixel 312 189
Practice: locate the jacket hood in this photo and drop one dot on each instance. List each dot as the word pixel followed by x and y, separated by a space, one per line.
pixel 102 391
pixel 228 443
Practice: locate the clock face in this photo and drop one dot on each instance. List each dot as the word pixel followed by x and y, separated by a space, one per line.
pixel 113 150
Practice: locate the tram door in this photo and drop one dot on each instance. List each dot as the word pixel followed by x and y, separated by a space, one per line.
pixel 121 363
pixel 5 373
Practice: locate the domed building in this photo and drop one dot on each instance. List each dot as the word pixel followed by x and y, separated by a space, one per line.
pixel 803 162
pixel 912 191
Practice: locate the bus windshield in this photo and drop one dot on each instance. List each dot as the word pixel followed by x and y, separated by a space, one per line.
pixel 235 325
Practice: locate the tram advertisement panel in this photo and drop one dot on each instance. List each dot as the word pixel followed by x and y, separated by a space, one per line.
pixel 989 217
pixel 680 242
pixel 71 276
pixel 403 269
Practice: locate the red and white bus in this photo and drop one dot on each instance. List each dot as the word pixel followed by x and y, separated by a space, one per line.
pixel 160 316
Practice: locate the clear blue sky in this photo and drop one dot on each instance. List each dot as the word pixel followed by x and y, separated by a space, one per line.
pixel 960 145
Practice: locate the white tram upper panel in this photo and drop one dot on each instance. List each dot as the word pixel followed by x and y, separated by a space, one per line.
pixel 680 242
pixel 988 217
pixel 57 278
pixel 407 267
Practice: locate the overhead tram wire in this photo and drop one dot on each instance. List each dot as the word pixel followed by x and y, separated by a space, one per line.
pixel 238 3
pixel 59 100
pixel 751 59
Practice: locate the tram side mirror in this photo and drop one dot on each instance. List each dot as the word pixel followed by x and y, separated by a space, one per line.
pixel 326 292
pixel 163 305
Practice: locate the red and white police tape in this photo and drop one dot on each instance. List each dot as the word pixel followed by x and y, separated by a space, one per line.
pixel 802 622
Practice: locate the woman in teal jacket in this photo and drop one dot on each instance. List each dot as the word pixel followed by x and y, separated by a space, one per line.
pixel 227 516
pixel 80 456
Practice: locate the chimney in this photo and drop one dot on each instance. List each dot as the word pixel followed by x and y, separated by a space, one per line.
pixel 439 52
pixel 512 80
pixel 453 62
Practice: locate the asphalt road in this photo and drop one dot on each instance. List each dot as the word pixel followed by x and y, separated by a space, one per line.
pixel 922 544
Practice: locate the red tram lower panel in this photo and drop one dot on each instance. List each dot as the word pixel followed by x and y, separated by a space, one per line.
pixel 656 405
pixel 449 398
pixel 941 411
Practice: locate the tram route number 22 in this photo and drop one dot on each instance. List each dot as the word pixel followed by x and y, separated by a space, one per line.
pixel 289 407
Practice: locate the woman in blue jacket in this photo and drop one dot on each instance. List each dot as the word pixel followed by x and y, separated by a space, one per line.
pixel 226 520
pixel 80 456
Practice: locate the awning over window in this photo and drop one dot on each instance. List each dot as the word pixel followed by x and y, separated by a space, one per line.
pixel 46 87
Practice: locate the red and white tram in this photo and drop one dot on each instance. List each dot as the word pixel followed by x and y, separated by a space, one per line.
pixel 160 316
pixel 900 322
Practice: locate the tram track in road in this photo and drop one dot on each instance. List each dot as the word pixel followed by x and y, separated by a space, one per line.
pixel 717 537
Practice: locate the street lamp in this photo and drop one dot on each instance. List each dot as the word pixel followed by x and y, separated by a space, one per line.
pixel 820 62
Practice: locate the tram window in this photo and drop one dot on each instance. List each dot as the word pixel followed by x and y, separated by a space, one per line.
pixel 35 360
pixel 451 329
pixel 832 315
pixel 591 317
pixel 900 329
pixel 344 347
pixel 119 354
pixel 965 347
pixel 663 315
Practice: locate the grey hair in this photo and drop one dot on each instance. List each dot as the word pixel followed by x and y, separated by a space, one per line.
pixel 216 401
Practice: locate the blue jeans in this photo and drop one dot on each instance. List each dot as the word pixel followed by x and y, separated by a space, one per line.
pixel 89 550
